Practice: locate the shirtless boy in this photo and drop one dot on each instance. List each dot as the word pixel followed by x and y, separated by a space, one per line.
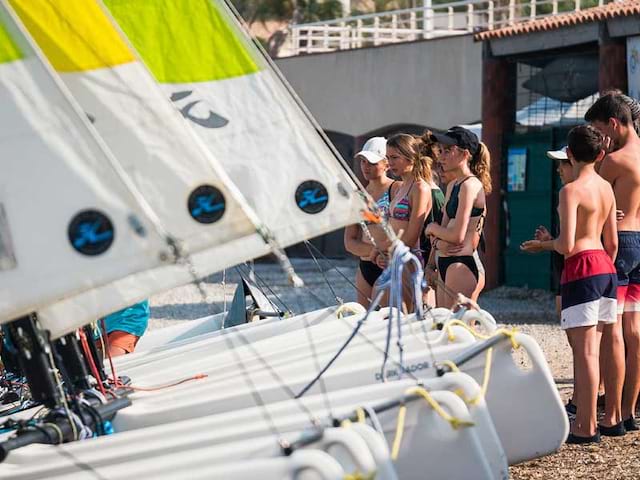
pixel 621 168
pixel 587 211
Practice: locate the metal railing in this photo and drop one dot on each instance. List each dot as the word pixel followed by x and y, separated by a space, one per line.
pixel 428 21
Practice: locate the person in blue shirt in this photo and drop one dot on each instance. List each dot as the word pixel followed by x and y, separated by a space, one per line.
pixel 125 327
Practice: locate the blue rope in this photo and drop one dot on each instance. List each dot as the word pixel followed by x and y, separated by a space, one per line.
pixel 391 279
pixel 372 307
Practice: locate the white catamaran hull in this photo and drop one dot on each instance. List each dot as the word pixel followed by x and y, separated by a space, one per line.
pixel 427 436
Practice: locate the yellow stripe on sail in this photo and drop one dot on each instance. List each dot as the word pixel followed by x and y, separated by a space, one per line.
pixel 183 41
pixel 75 35
pixel 9 51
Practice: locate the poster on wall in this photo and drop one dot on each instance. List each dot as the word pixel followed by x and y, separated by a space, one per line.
pixel 516 169
pixel 633 66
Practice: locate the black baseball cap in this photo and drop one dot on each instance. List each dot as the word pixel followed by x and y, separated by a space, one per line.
pixel 461 137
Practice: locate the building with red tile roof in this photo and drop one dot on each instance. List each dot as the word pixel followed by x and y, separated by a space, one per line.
pixel 549 65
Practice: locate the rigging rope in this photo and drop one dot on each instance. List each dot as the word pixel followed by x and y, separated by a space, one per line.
pixel 343 347
pixel 224 295
pixel 334 267
pixel 107 347
pixel 384 283
pixel 199 376
pixel 455 422
pixel 485 379
pixel 339 300
pixel 92 364
pixel 277 297
pixel 277 377
pixel 252 388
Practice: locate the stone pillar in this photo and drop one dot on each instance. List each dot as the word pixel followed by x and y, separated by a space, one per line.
pixel 612 71
pixel 498 120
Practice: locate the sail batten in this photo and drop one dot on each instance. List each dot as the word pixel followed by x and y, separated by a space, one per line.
pixel 247 118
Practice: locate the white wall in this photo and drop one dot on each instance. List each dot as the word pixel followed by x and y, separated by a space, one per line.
pixel 436 83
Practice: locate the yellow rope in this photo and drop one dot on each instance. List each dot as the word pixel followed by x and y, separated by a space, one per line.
pixel 454 421
pixel 488 361
pixel 397 440
pixel 485 378
pixel 511 334
pixel 402 412
pixel 345 423
pixel 343 309
pixel 451 365
pixel 360 414
pixel 449 327
pixel 360 476
pixel 502 331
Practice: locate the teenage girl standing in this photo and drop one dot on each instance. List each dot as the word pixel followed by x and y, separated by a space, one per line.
pixel 374 166
pixel 410 198
pixel 467 161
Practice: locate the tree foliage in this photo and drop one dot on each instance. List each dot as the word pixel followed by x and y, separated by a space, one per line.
pixel 294 11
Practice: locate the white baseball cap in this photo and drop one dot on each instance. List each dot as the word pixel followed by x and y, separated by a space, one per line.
pixel 374 150
pixel 558 154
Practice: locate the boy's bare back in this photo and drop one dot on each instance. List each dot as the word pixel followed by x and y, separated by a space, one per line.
pixel 622 169
pixel 594 201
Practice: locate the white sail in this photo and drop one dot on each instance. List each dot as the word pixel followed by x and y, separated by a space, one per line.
pixel 240 107
pixel 65 212
pixel 153 143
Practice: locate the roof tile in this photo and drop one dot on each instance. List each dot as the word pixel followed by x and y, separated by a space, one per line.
pixel 615 9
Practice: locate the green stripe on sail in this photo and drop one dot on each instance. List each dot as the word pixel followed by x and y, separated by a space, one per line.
pixel 183 41
pixel 9 51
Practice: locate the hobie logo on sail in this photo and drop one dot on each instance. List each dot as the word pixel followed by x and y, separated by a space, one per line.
pixel 206 204
pixel 312 196
pixel 91 232
pixel 213 120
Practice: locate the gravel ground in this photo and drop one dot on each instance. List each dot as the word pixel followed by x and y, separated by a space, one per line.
pixel 530 311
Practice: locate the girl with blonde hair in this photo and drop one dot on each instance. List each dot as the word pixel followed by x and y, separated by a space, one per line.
pixel 410 159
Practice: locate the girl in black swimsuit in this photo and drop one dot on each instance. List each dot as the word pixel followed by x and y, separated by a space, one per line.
pixel 466 159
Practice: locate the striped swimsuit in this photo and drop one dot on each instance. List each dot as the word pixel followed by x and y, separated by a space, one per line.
pixel 401 210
